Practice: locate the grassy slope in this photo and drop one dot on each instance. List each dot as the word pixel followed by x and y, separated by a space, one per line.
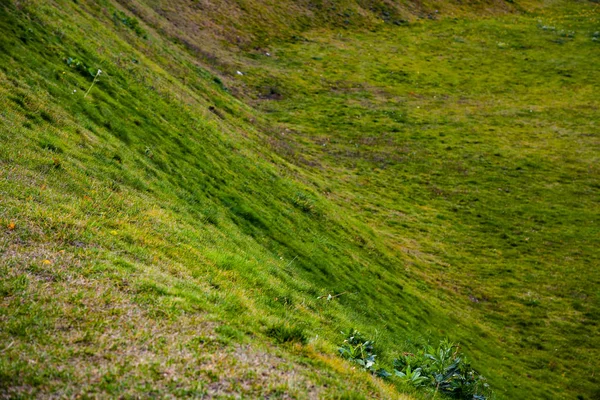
pixel 155 241
pixel 472 148
pixel 134 221
pixel 207 27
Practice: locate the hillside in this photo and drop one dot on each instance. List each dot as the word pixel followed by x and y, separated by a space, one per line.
pixel 245 179
pixel 213 30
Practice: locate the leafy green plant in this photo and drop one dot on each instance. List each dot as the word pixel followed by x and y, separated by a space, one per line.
pixel 444 369
pixel 409 360
pixel 80 67
pixel 357 348
pixel 413 376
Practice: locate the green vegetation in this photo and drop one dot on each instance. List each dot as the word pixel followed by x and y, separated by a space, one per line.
pixel 442 369
pixel 359 350
pixel 445 370
pixel 284 333
pixel 186 230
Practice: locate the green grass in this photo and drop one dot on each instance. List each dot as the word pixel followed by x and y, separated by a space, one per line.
pixel 161 236
pixel 471 146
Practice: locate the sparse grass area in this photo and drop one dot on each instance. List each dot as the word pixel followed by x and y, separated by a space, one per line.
pixel 161 237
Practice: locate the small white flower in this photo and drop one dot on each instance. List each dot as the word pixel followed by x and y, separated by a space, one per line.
pixel 99 72
pixel 239 73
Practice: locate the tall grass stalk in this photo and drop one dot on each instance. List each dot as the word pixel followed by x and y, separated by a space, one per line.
pixel 93 82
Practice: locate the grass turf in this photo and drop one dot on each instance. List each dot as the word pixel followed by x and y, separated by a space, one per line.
pixel 160 234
